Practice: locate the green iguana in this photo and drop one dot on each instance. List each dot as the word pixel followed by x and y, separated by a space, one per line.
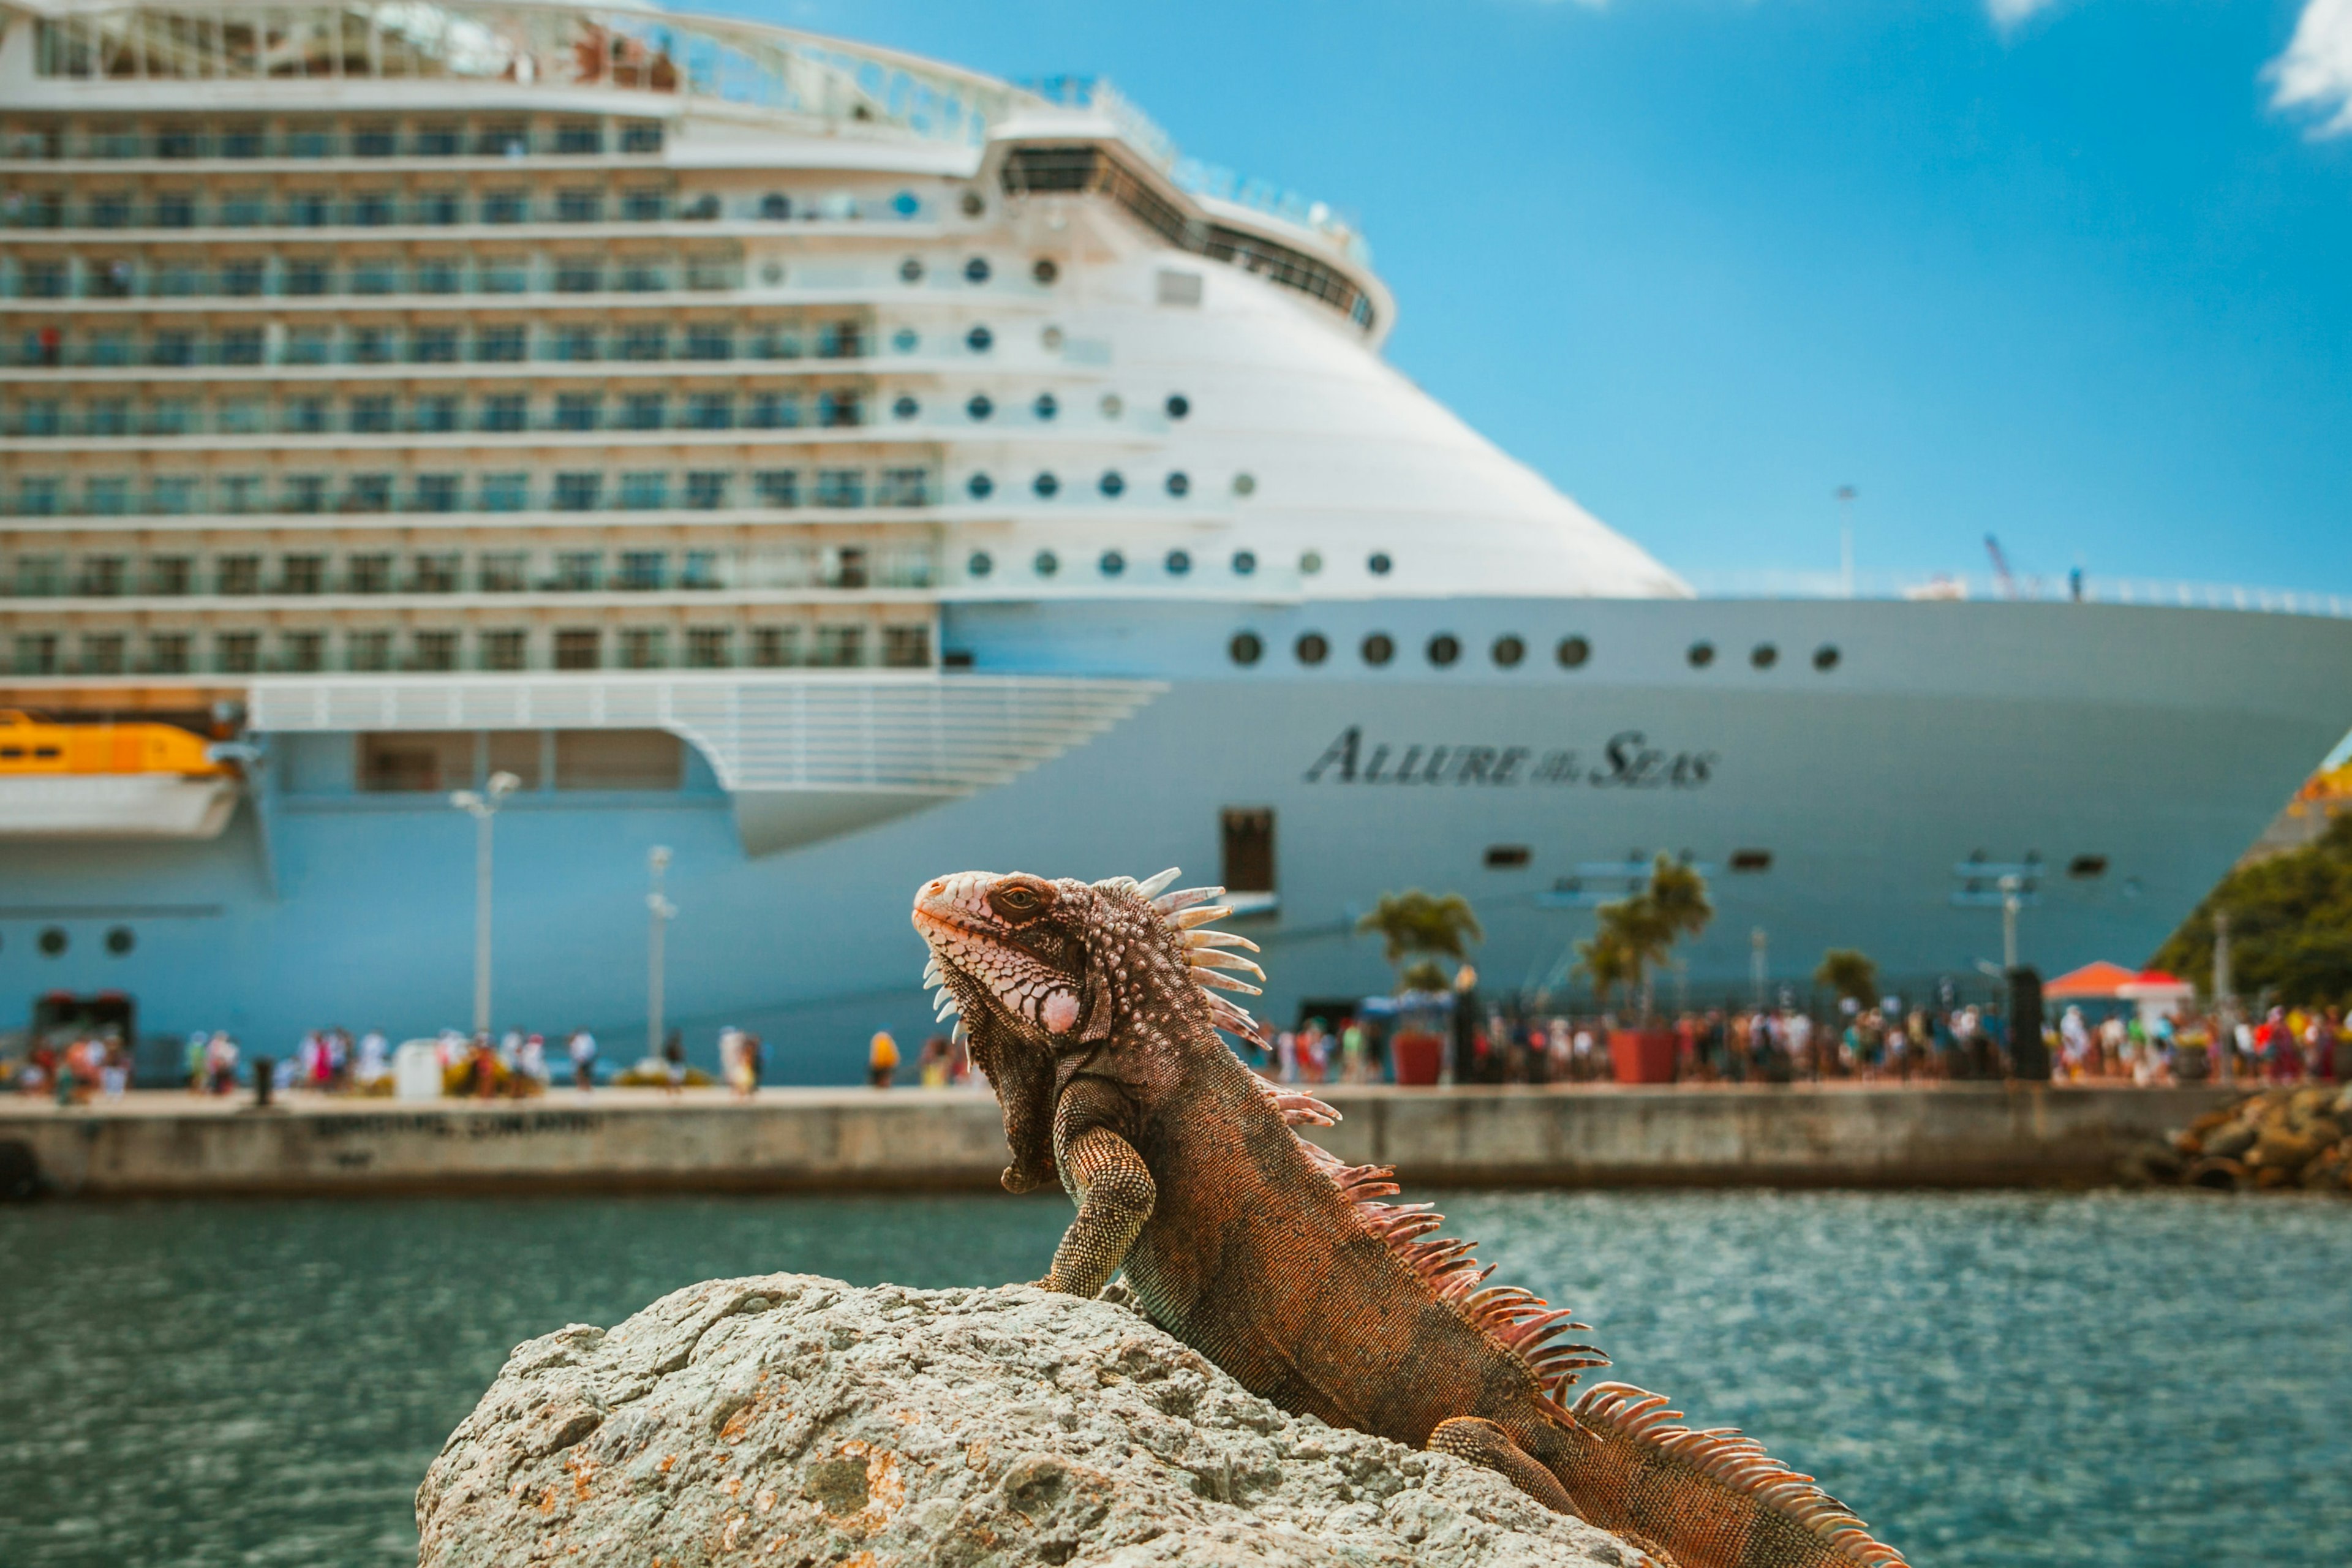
pixel 1092 1010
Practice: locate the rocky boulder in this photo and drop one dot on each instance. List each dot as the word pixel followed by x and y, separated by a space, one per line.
pixel 795 1420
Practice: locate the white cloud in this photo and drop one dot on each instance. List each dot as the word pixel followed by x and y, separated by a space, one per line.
pixel 2316 71
pixel 2008 14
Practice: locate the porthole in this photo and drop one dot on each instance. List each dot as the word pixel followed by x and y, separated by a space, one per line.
pixel 1111 484
pixel 1310 564
pixel 904 341
pixel 1244 484
pixel 1112 564
pixel 1572 652
pixel 1764 656
pixel 1379 648
pixel 1179 484
pixel 1507 856
pixel 1111 405
pixel 1179 562
pixel 1246 649
pixel 53 942
pixel 1508 650
pixel 1051 338
pixel 911 270
pixel 1444 649
pixel 1750 861
pixel 1046 486
pixel 905 407
pixel 981 407
pixel 979 564
pixel 1311 648
pixel 979 340
pixel 1047 563
pixel 773 273
pixel 1179 405
pixel 979 487
pixel 976 270
pixel 1245 562
pixel 1046 270
pixel 1378 564
pixel 1825 658
pixel 906 204
pixel 2086 866
pixel 972 204
pixel 1701 655
pixel 1046 406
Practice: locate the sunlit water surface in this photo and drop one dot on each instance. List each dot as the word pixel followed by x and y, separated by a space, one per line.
pixel 2117 1380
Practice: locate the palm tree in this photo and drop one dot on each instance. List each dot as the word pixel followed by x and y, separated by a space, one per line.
pixel 1608 962
pixel 1848 974
pixel 1417 924
pixel 1642 930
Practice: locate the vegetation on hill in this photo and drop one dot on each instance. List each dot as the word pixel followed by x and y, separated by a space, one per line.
pixel 2290 925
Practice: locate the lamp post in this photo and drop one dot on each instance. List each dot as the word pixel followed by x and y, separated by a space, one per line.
pixel 1756 963
pixel 482 805
pixel 660 911
pixel 2012 899
pixel 1846 494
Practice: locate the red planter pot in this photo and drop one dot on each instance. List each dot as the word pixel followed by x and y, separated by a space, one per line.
pixel 1642 1055
pixel 1418 1057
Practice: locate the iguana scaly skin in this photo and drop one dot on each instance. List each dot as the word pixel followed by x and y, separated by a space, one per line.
pixel 1084 1006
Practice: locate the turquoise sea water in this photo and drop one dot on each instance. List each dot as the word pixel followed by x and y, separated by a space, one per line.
pixel 2134 1381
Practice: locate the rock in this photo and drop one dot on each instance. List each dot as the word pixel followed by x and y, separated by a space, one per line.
pixel 795 1420
pixel 2228 1142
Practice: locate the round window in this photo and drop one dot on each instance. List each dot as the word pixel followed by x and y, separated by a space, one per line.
pixel 905 407
pixel 911 270
pixel 904 341
pixel 976 270
pixel 1179 562
pixel 53 942
pixel 979 407
pixel 773 273
pixel 1379 648
pixel 1311 648
pixel 1310 564
pixel 1244 484
pixel 1444 649
pixel 1046 406
pixel 1245 562
pixel 1046 270
pixel 1702 654
pixel 979 340
pixel 1112 563
pixel 1764 656
pixel 1246 648
pixel 979 564
pixel 1046 486
pixel 775 204
pixel 1047 563
pixel 1179 405
pixel 906 205
pixel 1379 563
pixel 120 941
pixel 1508 650
pixel 1111 484
pixel 1572 652
pixel 979 487
pixel 1051 338
pixel 973 205
pixel 1179 484
pixel 1825 658
pixel 1111 405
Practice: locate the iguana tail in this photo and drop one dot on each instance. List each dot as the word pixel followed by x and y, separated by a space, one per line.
pixel 1706 1498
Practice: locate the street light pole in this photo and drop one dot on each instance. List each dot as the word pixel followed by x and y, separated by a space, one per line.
pixel 483 807
pixel 1846 494
pixel 2012 899
pixel 1756 955
pixel 661 909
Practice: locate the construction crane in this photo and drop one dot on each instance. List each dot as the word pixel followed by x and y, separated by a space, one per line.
pixel 2001 572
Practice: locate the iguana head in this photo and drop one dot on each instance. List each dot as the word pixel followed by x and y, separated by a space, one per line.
pixel 1040 969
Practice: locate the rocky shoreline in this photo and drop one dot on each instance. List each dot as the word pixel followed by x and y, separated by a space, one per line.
pixel 796 1420
pixel 2275 1140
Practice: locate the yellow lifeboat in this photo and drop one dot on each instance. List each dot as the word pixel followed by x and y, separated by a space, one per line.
pixel 109 781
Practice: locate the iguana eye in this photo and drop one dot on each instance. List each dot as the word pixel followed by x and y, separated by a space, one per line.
pixel 1014 901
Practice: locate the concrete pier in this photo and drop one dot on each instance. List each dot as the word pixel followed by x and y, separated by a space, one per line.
pixel 850 1140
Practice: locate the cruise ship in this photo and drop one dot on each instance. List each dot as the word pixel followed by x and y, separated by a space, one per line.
pixel 834 467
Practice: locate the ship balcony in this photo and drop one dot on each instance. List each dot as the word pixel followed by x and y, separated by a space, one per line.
pixel 383 285
pixel 150 224
pixel 261 147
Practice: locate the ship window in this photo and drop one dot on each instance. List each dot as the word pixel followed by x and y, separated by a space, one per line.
pixel 1752 859
pixel 1507 856
pixel 1378 563
pixel 53 942
pixel 2087 867
pixel 1112 562
pixel 979 564
pixel 775 204
pixel 618 759
pixel 1179 562
pixel 1045 271
pixel 1244 484
pixel 979 407
pixel 1312 647
pixel 1045 484
pixel 979 340
pixel 1245 562
pixel 119 941
pixel 1111 484
pixel 1046 406
pixel 976 270
pixel 1246 648
pixel 1247 845
pixel 978 486
pixel 1047 563
pixel 580 647
pixel 1444 649
pixel 1310 564
pixel 973 206
pixel 1825 658
pixel 1179 484
pixel 1508 650
pixel 905 407
pixel 1179 405
pixel 1702 654
pixel 911 270
pixel 1112 407
pixel 504 650
pixel 412 761
pixel 1572 652
pixel 1379 648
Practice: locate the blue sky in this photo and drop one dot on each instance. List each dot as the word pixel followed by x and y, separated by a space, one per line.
pixel 2075 272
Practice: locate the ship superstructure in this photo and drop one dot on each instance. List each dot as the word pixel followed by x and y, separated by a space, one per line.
pixel 689 416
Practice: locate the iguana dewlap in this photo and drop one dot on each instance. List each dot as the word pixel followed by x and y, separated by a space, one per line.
pixel 1085 1007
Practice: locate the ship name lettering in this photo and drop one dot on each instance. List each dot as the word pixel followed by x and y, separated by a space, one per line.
pixel 1628 761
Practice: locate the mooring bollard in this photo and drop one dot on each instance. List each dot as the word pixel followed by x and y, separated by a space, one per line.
pixel 264 1072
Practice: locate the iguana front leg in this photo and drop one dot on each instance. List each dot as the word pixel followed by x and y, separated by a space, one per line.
pixel 1114 1189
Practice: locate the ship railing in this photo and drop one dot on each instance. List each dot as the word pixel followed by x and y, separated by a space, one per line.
pixel 2089 588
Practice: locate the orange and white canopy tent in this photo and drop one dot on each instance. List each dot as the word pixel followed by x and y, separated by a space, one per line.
pixel 2152 991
